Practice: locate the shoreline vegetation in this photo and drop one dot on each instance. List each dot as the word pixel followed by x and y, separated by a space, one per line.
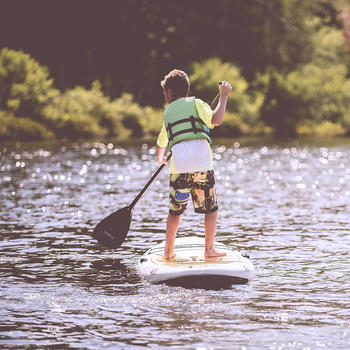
pixel 288 62
pixel 111 144
pixel 312 100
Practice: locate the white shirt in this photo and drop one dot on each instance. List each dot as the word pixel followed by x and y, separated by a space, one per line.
pixel 190 156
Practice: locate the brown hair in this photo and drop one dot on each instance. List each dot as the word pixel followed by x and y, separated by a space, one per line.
pixel 177 81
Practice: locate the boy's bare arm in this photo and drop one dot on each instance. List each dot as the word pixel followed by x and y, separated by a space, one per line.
pixel 219 112
pixel 160 155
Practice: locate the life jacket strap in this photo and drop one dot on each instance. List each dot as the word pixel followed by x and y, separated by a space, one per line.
pixel 194 128
pixel 171 136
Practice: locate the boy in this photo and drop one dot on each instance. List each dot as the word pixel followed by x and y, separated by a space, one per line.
pixel 186 121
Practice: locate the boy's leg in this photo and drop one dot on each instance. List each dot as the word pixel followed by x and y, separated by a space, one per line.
pixel 171 229
pixel 210 229
pixel 204 201
pixel 179 194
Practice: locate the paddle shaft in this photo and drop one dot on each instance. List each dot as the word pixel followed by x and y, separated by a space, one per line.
pixel 215 98
pixel 147 185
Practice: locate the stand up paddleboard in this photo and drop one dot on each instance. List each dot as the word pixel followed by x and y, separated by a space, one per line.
pixel 191 269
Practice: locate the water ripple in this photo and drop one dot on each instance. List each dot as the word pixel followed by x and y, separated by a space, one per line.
pixel 287 206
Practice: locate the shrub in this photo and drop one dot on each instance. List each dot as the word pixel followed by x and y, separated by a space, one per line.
pixel 232 126
pixel 324 128
pixel 78 126
pixel 317 93
pixel 79 112
pixel 141 121
pixel 25 85
pixel 22 129
pixel 205 77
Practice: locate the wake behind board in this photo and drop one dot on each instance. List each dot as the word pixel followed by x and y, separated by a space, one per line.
pixel 191 269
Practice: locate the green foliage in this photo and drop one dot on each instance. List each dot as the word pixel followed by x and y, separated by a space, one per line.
pixel 22 129
pixel 142 121
pixel 327 45
pixel 326 90
pixel 78 113
pixel 324 128
pixel 77 126
pixel 285 59
pixel 205 77
pixel 81 113
pixel 232 126
pixel 161 35
pixel 25 85
pixel 314 92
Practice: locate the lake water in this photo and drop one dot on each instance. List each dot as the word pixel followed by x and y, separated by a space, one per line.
pixel 286 205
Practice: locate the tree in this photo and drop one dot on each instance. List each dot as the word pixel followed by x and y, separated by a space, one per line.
pixel 25 85
pixel 313 92
pixel 129 45
pixel 205 77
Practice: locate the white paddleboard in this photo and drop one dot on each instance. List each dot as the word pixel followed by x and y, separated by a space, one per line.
pixel 191 269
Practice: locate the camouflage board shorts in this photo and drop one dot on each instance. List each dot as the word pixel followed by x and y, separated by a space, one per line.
pixel 201 186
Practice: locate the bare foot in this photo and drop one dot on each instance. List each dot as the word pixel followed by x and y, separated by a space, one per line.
pixel 169 257
pixel 213 254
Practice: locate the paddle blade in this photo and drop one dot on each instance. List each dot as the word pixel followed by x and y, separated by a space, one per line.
pixel 112 230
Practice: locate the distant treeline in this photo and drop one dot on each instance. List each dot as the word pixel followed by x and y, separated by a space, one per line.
pixel 82 69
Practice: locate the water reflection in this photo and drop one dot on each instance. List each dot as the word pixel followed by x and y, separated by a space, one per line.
pixel 287 205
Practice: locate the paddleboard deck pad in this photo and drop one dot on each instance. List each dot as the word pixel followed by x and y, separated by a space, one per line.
pixel 190 268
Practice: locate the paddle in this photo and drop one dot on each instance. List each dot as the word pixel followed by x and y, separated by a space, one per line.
pixel 112 230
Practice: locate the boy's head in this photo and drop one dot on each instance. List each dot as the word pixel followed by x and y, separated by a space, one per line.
pixel 178 83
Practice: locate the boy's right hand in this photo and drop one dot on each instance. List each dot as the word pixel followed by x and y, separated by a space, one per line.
pixel 160 155
pixel 164 161
pixel 225 88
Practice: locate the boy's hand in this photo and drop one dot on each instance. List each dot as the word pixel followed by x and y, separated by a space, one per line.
pixel 160 155
pixel 164 161
pixel 218 115
pixel 225 88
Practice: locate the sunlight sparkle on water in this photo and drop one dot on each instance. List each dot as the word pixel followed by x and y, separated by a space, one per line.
pixel 286 206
